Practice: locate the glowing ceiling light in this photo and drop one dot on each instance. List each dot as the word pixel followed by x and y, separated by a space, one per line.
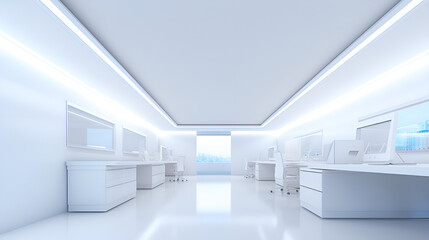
pixel 26 55
pixel 315 81
pixel 109 60
pixel 394 74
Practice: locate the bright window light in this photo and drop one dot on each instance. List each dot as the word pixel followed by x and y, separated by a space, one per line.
pixel 401 13
pixel 107 59
pixel 216 149
pixel 26 55
pixel 383 80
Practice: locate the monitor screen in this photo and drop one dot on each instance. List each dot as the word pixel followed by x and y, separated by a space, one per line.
pixel 164 153
pixel 375 137
pixel 271 151
pixel 412 133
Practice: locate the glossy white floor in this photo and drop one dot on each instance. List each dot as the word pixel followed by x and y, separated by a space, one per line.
pixel 215 207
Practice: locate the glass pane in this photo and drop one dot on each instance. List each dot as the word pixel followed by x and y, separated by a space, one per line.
pixel 413 129
pixel 311 146
pixel 164 153
pixel 85 130
pixel 375 137
pixel 133 142
pixel 213 154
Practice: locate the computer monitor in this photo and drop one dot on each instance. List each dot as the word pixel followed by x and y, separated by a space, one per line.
pixel 378 135
pixel 412 134
pixel 271 151
pixel 346 151
pixel 163 152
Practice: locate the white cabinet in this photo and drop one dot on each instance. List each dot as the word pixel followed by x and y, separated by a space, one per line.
pixel 97 186
pixel 359 191
pixel 170 167
pixel 311 190
pixel 150 175
pixel 264 171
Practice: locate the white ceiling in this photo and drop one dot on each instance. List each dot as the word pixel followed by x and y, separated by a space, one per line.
pixel 228 61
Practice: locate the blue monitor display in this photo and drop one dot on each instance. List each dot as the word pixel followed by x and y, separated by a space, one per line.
pixel 412 133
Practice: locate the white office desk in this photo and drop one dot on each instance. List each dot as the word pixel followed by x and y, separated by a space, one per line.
pixel 170 167
pixel 366 191
pixel 264 170
pixel 97 186
pixel 150 174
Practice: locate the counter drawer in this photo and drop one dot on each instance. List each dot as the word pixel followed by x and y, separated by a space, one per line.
pixel 157 169
pixel 116 193
pixel 311 197
pixel 311 180
pixel 119 176
pixel 158 179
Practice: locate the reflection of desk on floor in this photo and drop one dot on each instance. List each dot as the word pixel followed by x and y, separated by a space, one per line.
pixel 366 191
pixel 264 170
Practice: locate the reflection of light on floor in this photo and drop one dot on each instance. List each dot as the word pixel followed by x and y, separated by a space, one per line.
pixel 151 230
pixel 214 198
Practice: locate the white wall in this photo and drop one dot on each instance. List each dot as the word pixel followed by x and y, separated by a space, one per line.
pixel 183 145
pixel 33 147
pixel 243 146
pixel 249 146
pixel 405 40
pixel 33 143
pixel 341 124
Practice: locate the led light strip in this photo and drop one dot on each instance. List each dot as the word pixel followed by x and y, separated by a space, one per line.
pixel 107 58
pixel 315 81
pixel 394 74
pixel 26 55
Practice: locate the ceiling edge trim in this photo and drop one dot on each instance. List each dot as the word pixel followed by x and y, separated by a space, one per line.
pixel 71 22
pixel 385 22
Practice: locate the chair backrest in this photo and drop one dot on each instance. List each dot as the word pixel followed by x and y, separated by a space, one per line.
pixel 279 168
pixel 180 164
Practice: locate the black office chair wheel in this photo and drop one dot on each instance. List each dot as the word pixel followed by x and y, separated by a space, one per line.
pixel 288 193
pixel 281 189
pixel 297 190
pixel 271 191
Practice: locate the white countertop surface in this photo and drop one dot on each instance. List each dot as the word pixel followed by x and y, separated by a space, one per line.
pixel 287 163
pixel 412 170
pixel 110 163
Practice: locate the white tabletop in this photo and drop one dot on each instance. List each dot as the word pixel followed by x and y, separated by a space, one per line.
pixel 287 163
pixel 411 170
pixel 168 162
pixel 110 163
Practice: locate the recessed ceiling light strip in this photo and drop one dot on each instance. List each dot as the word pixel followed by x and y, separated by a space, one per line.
pixel 399 11
pixel 76 27
pixel 26 55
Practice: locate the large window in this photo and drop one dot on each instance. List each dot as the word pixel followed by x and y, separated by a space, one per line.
pixel 213 154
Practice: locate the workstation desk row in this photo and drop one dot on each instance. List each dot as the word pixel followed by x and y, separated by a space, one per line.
pixel 366 190
pixel 98 186
pixel 265 170
pixel 359 190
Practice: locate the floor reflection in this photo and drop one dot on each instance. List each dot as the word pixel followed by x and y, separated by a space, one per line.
pixel 215 207
pixel 214 198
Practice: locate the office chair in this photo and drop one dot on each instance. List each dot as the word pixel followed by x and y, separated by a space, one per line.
pixel 285 177
pixel 180 168
pixel 250 169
